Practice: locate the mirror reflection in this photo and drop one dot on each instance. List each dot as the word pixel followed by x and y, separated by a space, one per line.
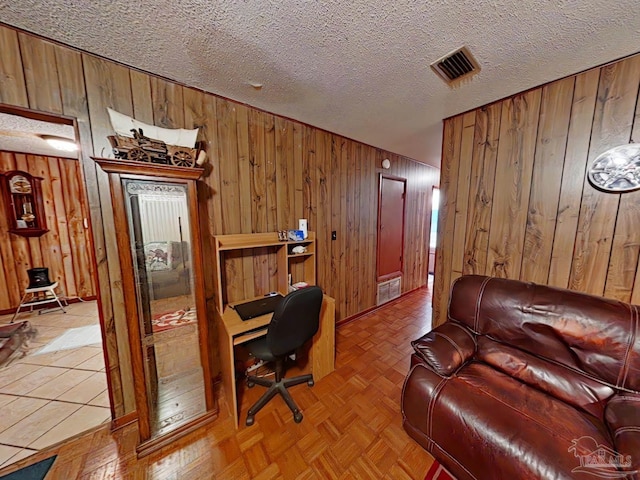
pixel 161 248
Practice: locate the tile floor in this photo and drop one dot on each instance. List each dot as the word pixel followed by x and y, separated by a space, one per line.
pixel 47 398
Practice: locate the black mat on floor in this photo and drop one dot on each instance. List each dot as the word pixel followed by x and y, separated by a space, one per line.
pixel 37 471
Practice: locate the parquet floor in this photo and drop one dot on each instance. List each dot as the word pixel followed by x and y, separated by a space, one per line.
pixel 352 427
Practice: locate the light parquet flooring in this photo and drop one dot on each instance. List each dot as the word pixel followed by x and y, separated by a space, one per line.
pixel 352 427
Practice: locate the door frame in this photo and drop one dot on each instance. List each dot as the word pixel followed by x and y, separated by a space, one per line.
pixel 381 177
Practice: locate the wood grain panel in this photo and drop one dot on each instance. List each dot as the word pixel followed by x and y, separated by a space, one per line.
pixel 40 72
pixel 625 249
pixel 514 165
pixel 483 170
pixel 108 85
pixel 13 89
pixel 462 191
pixel 573 174
pixel 451 144
pixel 553 127
pixel 612 122
pixel 569 235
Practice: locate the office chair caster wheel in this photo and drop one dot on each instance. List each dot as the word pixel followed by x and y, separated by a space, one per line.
pixel 297 417
pixel 250 420
pixel 250 384
pixel 311 383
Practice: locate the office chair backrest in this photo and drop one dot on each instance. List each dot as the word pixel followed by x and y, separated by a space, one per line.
pixel 295 321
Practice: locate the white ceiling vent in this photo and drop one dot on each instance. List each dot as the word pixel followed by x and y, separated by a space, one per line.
pixel 456 66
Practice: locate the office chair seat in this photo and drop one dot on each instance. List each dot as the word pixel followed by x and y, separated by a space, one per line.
pixel 295 321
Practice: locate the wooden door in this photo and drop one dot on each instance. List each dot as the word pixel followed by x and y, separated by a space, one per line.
pixel 390 226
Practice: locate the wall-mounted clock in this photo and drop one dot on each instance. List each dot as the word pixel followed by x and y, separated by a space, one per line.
pixel 617 170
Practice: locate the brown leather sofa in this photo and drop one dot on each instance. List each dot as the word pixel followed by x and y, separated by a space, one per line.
pixel 526 381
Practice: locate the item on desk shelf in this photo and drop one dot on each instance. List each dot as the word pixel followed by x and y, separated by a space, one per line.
pixel 282 235
pixel 298 286
pixel 299 249
pixel 302 225
pixel 296 235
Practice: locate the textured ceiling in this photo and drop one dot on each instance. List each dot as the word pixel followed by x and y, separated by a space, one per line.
pixel 359 68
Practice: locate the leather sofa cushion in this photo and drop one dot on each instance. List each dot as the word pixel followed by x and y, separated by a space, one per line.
pixel 595 335
pixel 624 423
pixel 557 380
pixel 486 419
pixel 446 347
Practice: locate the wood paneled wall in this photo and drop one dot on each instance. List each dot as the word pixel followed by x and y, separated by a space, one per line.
pixel 265 172
pixel 65 248
pixel 516 202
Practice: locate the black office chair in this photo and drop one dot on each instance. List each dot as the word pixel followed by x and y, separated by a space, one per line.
pixel 295 321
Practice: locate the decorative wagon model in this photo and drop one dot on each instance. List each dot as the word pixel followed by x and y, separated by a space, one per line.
pixel 163 145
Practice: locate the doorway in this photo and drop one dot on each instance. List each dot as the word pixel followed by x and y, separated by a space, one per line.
pixel 390 251
pixel 433 234
pixel 59 388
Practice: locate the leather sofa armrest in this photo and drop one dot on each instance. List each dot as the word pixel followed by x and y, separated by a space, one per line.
pixel 446 348
pixel 622 415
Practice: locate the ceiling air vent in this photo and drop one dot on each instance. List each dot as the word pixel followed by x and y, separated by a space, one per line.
pixel 456 66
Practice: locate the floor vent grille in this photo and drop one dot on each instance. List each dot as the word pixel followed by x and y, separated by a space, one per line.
pixel 389 290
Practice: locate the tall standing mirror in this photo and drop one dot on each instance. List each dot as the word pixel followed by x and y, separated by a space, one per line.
pixel 159 241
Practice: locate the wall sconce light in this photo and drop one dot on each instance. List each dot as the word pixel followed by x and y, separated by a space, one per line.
pixel 617 170
pixel 60 143
pixel 386 163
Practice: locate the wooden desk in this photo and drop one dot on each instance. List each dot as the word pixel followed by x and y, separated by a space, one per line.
pixel 233 331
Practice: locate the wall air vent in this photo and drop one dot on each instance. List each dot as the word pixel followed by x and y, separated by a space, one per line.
pixel 456 66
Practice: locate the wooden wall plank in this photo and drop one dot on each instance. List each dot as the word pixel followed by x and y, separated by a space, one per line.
pixel 518 128
pixel 108 85
pixel 463 191
pixel 451 140
pixel 573 175
pixel 168 103
pixel 13 88
pixel 41 74
pixel 140 95
pixel 625 248
pixel 483 170
pixel 8 272
pixel 612 123
pixel 553 127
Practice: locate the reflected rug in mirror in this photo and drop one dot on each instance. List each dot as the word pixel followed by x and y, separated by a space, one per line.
pixel 438 472
pixel 36 471
pixel 178 318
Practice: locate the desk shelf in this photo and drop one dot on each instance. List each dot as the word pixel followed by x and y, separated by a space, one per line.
pixel 301 266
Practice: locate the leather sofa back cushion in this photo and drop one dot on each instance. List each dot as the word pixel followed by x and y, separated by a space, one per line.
pixel 597 336
pixel 557 380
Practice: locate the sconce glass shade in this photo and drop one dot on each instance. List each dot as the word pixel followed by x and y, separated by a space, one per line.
pixel 617 170
pixel 60 143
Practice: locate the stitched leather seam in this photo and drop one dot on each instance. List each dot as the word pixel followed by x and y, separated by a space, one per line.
pixel 453 344
pixel 404 386
pixel 476 315
pixel 466 331
pixel 624 370
pixel 450 297
pixel 448 455
pixel 432 404
pixel 627 397
pixel 631 429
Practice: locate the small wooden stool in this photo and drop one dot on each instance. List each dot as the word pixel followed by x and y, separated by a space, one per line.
pixel 39 296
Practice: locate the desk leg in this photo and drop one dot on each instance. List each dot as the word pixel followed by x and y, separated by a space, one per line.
pixel 323 350
pixel 227 365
